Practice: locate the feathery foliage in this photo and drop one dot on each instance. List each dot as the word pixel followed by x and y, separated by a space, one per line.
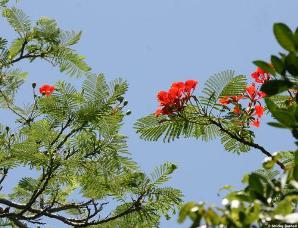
pixel 71 141
pixel 202 120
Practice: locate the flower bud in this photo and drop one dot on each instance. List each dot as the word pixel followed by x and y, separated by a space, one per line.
pixel 128 112
pixel 125 103
pixel 120 99
pixel 33 85
pixel 7 128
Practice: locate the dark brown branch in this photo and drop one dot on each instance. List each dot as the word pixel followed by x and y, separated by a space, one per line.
pixel 5 172
pixel 73 222
pixel 27 56
pixel 248 143
pixel 61 131
pixel 18 222
pixel 73 131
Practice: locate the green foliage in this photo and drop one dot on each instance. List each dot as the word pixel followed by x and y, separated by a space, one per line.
pixel 269 196
pixel 263 201
pixel 224 84
pixel 274 87
pixel 76 133
pixel 18 20
pixel 201 120
pixel 233 145
pixel 43 40
pixel 286 65
pixel 287 117
pixel 72 142
pixel 284 36
pixel 152 128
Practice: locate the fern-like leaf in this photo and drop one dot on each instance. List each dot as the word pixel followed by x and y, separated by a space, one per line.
pixel 18 20
pixel 161 174
pixel 224 84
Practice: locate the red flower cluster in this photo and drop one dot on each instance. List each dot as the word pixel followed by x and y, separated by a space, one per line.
pixel 260 75
pixel 175 98
pixel 46 89
pixel 254 111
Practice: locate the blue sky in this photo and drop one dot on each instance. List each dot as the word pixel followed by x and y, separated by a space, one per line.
pixel 153 43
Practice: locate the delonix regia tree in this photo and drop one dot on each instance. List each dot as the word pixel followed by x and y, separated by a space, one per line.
pixel 70 138
pixel 230 108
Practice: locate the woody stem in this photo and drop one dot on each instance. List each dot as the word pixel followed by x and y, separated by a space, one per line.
pixel 248 143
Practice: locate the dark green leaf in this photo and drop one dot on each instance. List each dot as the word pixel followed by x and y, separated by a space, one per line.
pixel 295 109
pixel 295 133
pixel 255 183
pixel 285 117
pixel 273 87
pixel 275 124
pixel 292 64
pixel 295 172
pixel 278 64
pixel 264 66
pixel 296 38
pixel 284 36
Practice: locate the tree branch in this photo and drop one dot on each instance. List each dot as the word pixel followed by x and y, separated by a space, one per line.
pixel 251 144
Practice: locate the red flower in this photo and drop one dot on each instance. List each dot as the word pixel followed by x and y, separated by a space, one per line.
pixel 163 97
pixel 225 100
pixel 174 93
pixel 260 75
pixel 237 109
pixel 255 123
pixel 178 85
pixel 251 91
pixel 259 110
pixel 175 99
pixel 46 89
pixel 261 94
pixel 190 84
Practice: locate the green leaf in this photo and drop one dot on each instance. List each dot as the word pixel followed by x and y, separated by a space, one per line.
pixel 224 84
pixel 152 128
pixel 70 38
pixel 285 117
pixel 253 213
pixel 255 183
pixel 18 20
pixel 69 61
pixel 295 171
pixel 275 124
pixel 269 164
pixel 3 3
pixel 264 66
pixel 295 133
pixel 284 207
pixel 292 64
pixel 284 36
pixel 185 210
pixel 296 38
pixel 161 174
pixel 295 110
pixel 16 47
pixel 273 87
pixel 278 64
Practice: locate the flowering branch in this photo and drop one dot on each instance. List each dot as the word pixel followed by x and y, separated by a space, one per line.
pixel 174 101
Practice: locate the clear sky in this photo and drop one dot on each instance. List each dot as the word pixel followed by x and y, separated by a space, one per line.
pixel 153 43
